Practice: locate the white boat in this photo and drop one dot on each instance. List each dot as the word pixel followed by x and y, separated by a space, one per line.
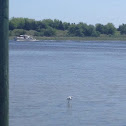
pixel 24 38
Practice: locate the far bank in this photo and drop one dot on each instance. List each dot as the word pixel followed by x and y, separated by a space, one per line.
pixel 112 38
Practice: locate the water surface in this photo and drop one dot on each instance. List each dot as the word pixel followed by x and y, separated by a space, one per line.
pixel 43 74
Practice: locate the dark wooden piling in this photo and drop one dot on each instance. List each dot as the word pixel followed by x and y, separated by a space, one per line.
pixel 4 83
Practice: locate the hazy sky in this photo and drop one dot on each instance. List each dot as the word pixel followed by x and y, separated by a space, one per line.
pixel 74 11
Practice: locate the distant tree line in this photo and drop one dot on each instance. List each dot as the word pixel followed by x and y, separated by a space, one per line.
pixel 48 27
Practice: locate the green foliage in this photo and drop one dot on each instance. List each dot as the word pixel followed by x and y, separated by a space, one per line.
pixel 66 25
pixel 109 29
pixel 48 27
pixel 75 30
pixel 95 34
pixel 61 33
pixel 122 29
pixel 40 25
pixel 16 23
pixel 31 32
pixel 100 28
pixel 17 32
pixel 49 32
pixel 58 25
pixel 90 30
pixel 48 22
pixel 82 30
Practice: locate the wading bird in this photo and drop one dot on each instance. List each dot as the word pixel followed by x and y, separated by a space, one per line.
pixel 69 98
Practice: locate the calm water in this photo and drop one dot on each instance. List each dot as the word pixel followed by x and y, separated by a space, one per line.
pixel 43 74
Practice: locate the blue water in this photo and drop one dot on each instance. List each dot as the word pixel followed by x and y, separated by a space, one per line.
pixel 43 74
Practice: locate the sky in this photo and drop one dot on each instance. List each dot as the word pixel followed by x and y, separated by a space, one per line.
pixel 73 11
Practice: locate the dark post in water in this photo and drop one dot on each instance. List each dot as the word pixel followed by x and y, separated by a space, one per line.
pixel 4 85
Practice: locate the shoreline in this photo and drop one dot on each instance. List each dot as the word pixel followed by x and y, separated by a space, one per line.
pixel 102 38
